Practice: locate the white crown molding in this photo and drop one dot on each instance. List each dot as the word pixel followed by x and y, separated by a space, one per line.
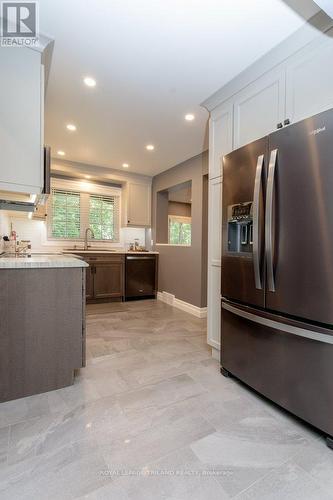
pixel 314 28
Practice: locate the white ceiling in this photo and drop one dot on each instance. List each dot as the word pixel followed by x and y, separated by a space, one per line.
pixel 154 61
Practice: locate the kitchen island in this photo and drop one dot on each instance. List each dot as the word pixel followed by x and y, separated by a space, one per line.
pixel 42 323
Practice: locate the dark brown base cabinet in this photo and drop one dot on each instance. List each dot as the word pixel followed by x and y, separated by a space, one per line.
pixel 141 273
pixel 105 277
pixel 119 277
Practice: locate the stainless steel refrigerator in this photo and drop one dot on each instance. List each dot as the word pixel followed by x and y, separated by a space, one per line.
pixel 277 268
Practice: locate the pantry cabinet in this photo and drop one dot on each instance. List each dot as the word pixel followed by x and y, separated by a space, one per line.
pixel 215 221
pixel 214 262
pixel 21 120
pixel 214 306
pixel 292 82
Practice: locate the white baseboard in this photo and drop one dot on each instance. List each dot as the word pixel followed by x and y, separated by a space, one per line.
pixel 169 298
pixel 216 354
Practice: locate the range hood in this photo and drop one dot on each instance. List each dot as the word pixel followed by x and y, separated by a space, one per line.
pixel 25 202
pixel 20 202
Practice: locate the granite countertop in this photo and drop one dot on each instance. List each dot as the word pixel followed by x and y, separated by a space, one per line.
pixel 41 261
pixel 108 252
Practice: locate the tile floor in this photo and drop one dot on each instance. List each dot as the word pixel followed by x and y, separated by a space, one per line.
pixel 150 417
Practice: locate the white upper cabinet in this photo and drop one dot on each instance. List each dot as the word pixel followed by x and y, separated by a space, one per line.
pixel 21 120
pixel 310 79
pixel 220 137
pixel 259 107
pixel 137 205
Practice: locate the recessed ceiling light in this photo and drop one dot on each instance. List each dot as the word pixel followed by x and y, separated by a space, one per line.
pixel 150 147
pixel 88 176
pixel 125 165
pixel 61 153
pixel 71 127
pixel 90 82
pixel 189 117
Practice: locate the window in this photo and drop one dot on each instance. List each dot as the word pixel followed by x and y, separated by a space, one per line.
pixel 102 216
pixel 71 212
pixel 65 221
pixel 180 229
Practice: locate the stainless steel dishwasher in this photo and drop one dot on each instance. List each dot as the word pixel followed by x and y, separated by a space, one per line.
pixel 141 276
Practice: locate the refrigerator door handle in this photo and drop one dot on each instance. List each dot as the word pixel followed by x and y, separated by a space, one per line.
pixel 256 212
pixel 276 325
pixel 269 220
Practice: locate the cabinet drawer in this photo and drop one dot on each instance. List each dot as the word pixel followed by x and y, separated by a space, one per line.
pixel 102 258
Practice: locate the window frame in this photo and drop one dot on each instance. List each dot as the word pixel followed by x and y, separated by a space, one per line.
pixel 85 189
pixel 115 227
pixel 66 220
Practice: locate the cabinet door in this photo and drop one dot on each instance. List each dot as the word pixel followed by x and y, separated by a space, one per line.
pixel 259 108
pixel 214 306
pixel 89 283
pixel 220 137
pixel 309 88
pixel 214 263
pixel 215 221
pixel 138 204
pixel 21 124
pixel 108 280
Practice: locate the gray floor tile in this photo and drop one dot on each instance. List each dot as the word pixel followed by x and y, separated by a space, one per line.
pixel 289 482
pixel 152 399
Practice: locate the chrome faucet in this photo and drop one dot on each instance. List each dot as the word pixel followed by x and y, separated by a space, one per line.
pixel 86 246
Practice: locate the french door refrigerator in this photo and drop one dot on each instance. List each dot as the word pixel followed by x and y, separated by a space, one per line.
pixel 277 268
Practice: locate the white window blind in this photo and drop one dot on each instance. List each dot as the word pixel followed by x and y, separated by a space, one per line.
pixel 70 213
pixel 64 214
pixel 104 217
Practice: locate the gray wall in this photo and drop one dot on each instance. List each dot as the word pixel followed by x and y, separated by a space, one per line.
pixel 183 270
pixel 180 209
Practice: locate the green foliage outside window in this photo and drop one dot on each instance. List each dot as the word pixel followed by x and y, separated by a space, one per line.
pixel 71 212
pixel 101 217
pixel 180 231
pixel 65 214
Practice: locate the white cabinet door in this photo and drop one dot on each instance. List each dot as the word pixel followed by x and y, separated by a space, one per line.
pixel 214 306
pixel 220 137
pixel 259 107
pixel 215 221
pixel 310 79
pixel 138 204
pixel 214 262
pixel 21 120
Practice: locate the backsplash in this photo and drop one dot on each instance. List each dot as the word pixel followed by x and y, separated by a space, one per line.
pixel 36 232
pixel 4 228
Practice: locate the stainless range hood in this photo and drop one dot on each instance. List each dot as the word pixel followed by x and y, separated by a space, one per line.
pixel 25 202
pixel 17 201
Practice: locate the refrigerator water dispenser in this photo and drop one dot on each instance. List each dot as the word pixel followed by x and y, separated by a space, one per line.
pixel 240 228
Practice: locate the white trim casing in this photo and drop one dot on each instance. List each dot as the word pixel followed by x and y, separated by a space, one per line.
pixel 169 298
